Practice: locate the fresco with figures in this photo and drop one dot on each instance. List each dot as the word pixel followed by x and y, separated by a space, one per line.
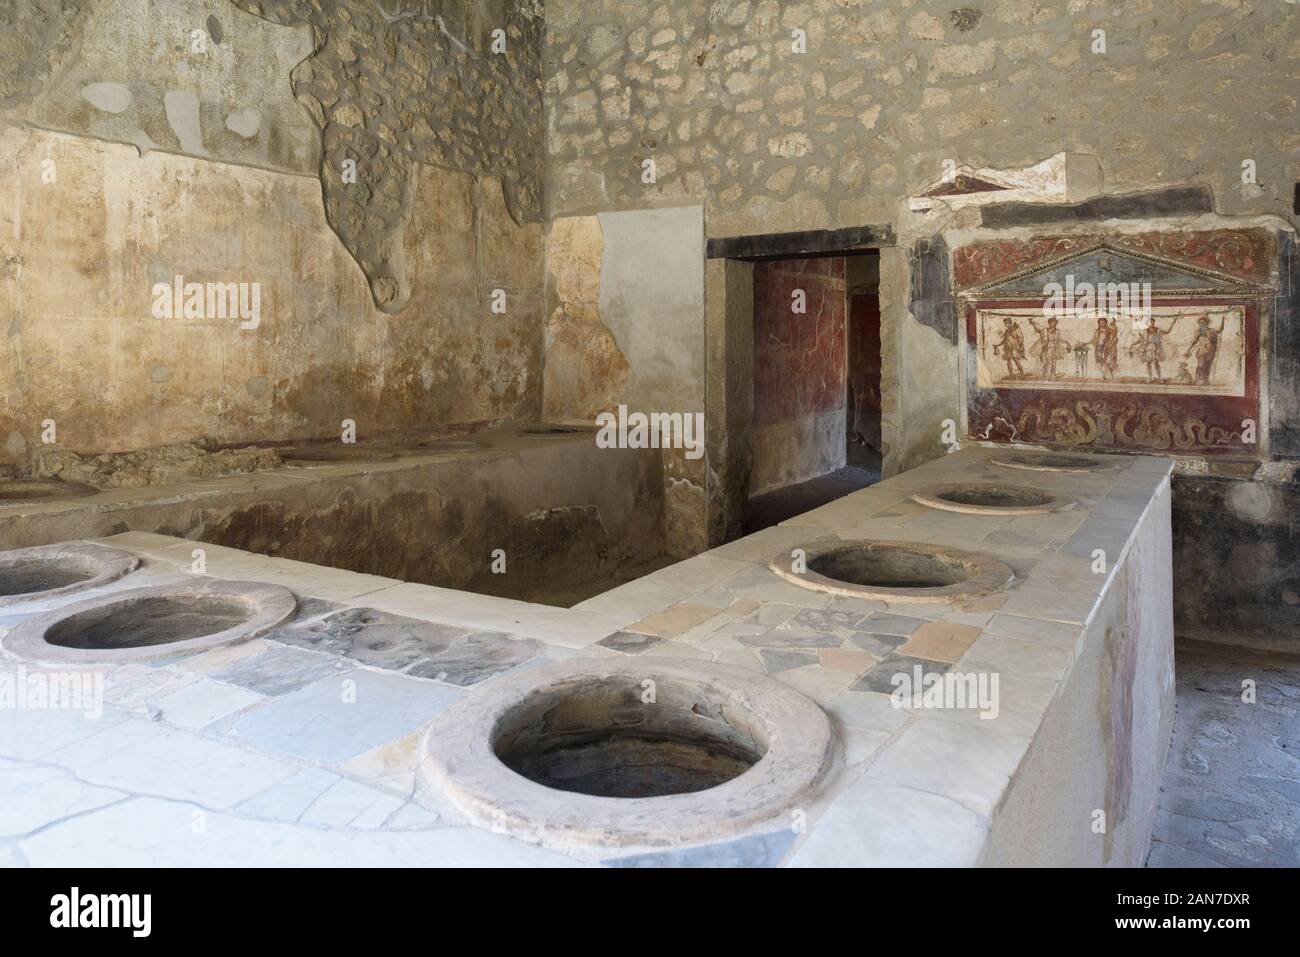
pixel 1142 343
pixel 1197 350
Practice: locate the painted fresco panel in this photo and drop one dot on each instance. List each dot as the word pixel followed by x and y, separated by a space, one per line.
pixel 1180 374
pixel 1178 350
pixel 1162 416
pixel 1244 254
pixel 799 358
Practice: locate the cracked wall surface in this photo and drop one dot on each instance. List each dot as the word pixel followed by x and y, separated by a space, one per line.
pixel 35 37
pixel 79 344
pixel 196 77
pixel 393 84
pixel 356 92
pixel 142 140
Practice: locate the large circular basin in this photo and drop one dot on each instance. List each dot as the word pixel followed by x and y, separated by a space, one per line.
pixel 1052 462
pixel 144 624
pixel 443 447
pixel 893 571
pixel 33 574
pixel 309 455
pixel 545 431
pixel 987 499
pixel 615 753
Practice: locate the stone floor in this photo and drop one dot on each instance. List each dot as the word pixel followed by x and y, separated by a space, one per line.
pixel 1231 790
pixel 779 506
pixel 863 456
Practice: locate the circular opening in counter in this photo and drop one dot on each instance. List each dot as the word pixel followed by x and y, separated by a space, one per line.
pixel 149 623
pixel 891 567
pixel 1051 462
pixel 995 496
pixel 157 620
pixel 892 571
pixel 42 490
pixel 30 574
pixel 992 499
pixel 40 575
pixel 599 737
pixel 612 753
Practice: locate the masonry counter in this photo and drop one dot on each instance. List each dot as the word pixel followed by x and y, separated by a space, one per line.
pixel 967 664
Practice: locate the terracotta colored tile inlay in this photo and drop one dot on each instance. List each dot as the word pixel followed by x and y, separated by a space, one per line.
pixel 940 642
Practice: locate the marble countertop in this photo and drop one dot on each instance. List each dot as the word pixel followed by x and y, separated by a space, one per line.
pixel 252 736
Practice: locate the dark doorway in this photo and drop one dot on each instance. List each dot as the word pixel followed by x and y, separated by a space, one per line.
pixel 815 434
pixel 863 420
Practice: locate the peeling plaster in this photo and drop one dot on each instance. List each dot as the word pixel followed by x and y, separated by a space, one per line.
pixel 182 108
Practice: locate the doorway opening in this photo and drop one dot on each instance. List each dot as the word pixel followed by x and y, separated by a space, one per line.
pixel 864 444
pixel 816 428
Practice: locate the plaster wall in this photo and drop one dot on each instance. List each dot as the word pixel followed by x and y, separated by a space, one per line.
pixel 197 77
pixel 888 96
pixel 283 148
pixel 1237 538
pixel 83 349
pixel 729 307
pixel 626 327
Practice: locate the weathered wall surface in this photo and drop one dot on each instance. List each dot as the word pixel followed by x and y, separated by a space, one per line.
pixel 187 76
pixel 889 89
pixel 729 393
pixel 864 355
pixel 800 371
pixel 82 347
pixel 393 85
pixel 570 518
pixel 357 92
pixel 1237 559
pixel 375 291
pixel 34 43
pixel 626 327
pixel 891 95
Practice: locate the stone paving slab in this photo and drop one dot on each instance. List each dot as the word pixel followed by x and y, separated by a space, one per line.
pixel 1230 795
pixel 878 824
pixel 277 671
pixel 148 832
pixel 141 755
pixel 204 702
pixel 760 850
pixel 342 716
pixel 37 796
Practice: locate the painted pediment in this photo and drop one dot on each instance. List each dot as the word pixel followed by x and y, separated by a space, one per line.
pixel 964 184
pixel 1104 264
